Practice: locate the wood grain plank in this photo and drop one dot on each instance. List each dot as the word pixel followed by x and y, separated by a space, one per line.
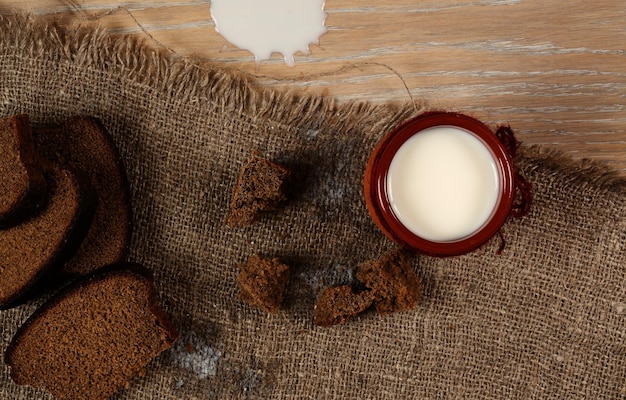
pixel 556 71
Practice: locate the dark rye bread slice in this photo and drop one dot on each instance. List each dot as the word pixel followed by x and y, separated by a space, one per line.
pixel 89 340
pixel 82 143
pixel 22 185
pixel 44 242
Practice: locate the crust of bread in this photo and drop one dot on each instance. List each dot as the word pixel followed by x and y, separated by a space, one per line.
pixel 46 253
pixel 19 203
pixel 83 144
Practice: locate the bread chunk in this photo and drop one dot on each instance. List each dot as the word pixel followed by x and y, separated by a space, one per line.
pixel 338 304
pixel 392 281
pixel 83 144
pixel 42 244
pixel 262 283
pixel 22 184
pixel 260 187
pixel 86 342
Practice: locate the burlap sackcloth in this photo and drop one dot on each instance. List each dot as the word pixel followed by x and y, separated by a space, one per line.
pixel 546 319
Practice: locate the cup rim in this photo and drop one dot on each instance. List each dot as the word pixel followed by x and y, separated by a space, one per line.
pixel 375 184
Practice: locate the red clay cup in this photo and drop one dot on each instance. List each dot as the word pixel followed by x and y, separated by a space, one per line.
pixel 378 199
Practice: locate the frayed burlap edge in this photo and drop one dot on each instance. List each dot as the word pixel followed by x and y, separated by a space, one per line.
pixel 229 89
pixel 235 92
pixel 587 171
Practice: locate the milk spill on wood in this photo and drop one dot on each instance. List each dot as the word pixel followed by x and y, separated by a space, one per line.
pixel 264 27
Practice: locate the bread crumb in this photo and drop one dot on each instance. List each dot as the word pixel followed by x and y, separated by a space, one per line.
pixel 392 280
pixel 262 283
pixel 259 188
pixel 338 304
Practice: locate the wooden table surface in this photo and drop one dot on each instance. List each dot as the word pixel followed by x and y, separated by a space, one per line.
pixel 555 70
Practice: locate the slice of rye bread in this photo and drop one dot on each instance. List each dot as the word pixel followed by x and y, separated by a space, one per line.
pixel 89 340
pixel 83 144
pixel 42 244
pixel 22 184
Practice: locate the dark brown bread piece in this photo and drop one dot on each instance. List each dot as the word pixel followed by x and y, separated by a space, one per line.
pixel 88 341
pixel 262 283
pixel 338 304
pixel 260 187
pixel 44 242
pixel 22 184
pixel 391 279
pixel 83 144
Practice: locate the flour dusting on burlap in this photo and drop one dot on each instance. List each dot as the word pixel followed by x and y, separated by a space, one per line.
pixel 546 319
